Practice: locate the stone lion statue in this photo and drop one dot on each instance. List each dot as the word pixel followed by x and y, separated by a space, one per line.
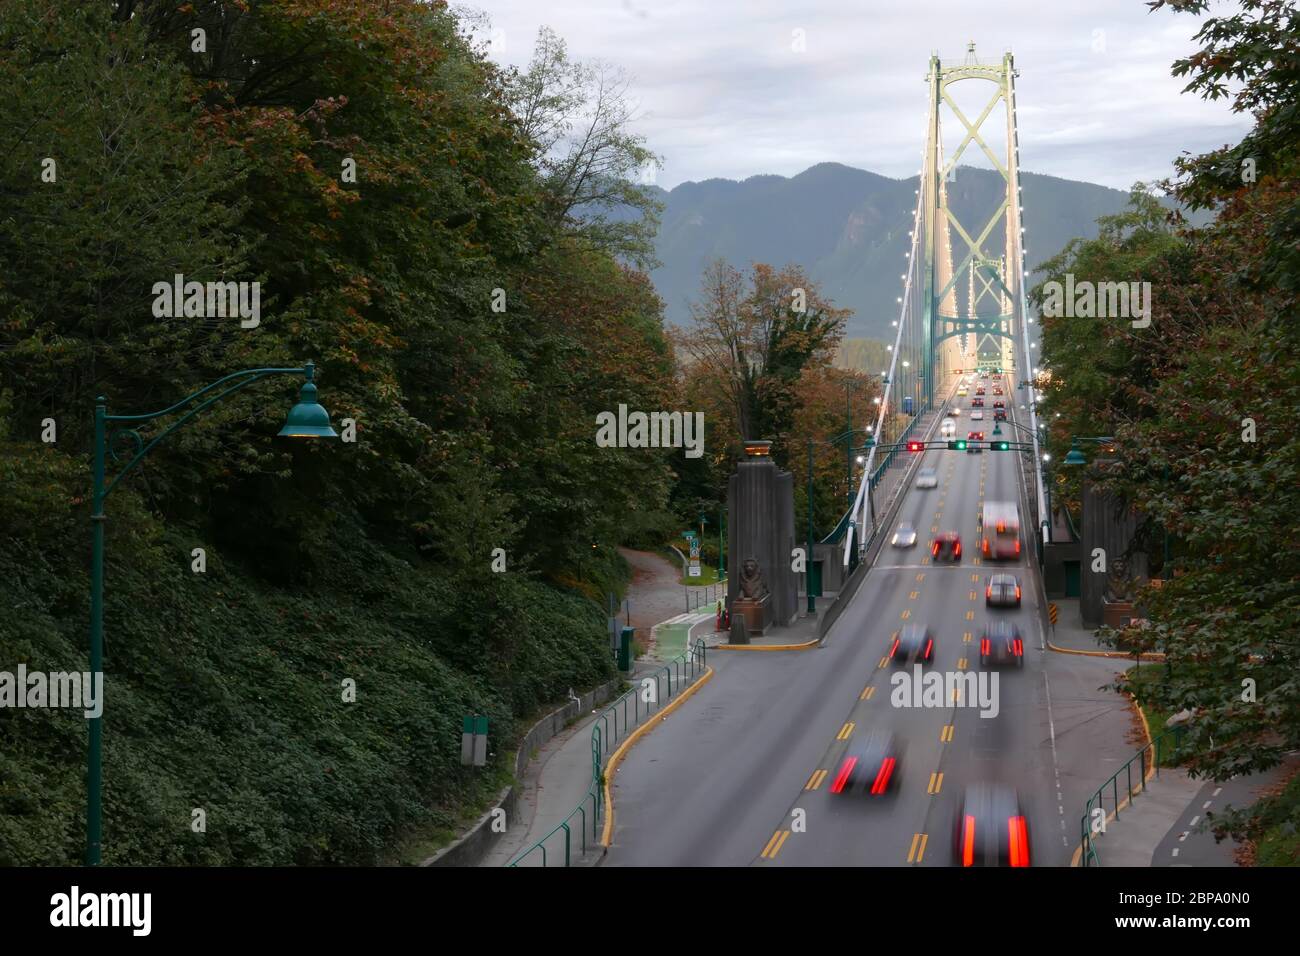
pixel 752 585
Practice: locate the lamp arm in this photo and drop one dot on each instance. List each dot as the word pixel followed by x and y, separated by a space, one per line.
pixel 246 378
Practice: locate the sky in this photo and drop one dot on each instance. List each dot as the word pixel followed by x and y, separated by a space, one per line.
pixel 737 88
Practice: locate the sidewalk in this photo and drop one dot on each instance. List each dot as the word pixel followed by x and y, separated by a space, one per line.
pixel 1131 838
pixel 1069 633
pixel 558 780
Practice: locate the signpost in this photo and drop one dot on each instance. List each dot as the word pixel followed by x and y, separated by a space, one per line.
pixel 473 741
pixel 693 571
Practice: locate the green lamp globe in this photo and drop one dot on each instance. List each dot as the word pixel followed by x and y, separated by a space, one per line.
pixel 308 419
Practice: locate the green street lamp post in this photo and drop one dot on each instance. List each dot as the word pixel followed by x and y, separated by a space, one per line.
pixel 846 437
pixel 307 419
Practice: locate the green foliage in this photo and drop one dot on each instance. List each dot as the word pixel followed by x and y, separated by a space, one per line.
pixel 367 560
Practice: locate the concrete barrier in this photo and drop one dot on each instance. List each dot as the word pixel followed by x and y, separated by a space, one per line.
pixel 470 848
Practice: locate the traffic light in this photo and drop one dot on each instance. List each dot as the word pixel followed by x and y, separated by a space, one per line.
pixel 916 446
pixel 958 445
pixel 1000 446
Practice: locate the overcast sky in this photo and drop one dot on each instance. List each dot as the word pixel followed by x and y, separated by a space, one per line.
pixel 723 90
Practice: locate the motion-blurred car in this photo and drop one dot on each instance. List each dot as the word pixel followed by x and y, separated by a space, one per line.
pixel 946 546
pixel 990 828
pixel 927 478
pixel 977 403
pixel 905 536
pixel 999 404
pixel 1003 590
pixel 1000 643
pixel 912 645
pixel 871 766
pixel 997 390
pixel 954 412
pixel 999 414
pixel 947 428
pixel 961 392
pixel 980 390
pixel 972 442
pixel 977 415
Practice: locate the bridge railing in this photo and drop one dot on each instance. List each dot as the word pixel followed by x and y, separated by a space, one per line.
pixel 1148 764
pixel 581 829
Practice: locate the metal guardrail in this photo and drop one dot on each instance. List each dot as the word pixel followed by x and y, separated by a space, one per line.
pixel 696 598
pixel 1098 800
pixel 677 674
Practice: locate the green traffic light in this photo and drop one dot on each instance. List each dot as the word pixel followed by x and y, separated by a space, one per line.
pixel 959 445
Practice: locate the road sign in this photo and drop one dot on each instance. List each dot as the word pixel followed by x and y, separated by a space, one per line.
pixel 473 741
pixel 693 571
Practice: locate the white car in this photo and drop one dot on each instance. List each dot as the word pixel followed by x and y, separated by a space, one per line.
pixel 905 536
pixel 948 428
pixel 955 412
pixel 977 415
pixel 927 478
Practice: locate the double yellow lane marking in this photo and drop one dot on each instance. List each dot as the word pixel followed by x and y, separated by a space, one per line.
pixel 816 779
pixel 846 731
pixel 945 735
pixel 936 783
pixel 917 850
pixel 867 693
pixel 774 845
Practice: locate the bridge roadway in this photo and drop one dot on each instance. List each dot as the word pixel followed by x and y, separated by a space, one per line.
pixel 718 782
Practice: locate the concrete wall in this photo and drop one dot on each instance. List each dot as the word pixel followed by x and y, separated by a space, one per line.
pixel 478 841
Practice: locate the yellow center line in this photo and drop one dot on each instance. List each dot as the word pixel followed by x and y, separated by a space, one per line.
pixel 961 664
pixel 917 850
pixel 965 638
pixel 774 845
pixel 945 736
pixel 970 615
pixel 905 615
pixel 913 595
pixel 845 731
pixel 936 783
pixel 815 780
pixel 920 577
pixel 972 595
pixel 883 661
pixel 867 693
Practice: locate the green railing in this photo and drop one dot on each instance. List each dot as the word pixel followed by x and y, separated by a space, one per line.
pixel 670 680
pixel 1148 756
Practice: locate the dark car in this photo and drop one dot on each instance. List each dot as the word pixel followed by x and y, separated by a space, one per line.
pixel 999 414
pixel 999 404
pixel 1001 644
pixel 997 391
pixel 1003 590
pixel 946 546
pixel 990 828
pixel 913 644
pixel 977 403
pixel 980 390
pixel 972 442
pixel 871 766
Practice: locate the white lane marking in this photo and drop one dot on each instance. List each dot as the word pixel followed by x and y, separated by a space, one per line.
pixel 1183 837
pixel 1195 819
pixel 1217 791
pixel 1206 804
pixel 1175 851
pixel 1056 767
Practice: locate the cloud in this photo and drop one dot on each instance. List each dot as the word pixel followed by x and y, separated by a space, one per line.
pixel 725 89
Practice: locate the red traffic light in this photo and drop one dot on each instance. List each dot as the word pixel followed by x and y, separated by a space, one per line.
pixel 916 446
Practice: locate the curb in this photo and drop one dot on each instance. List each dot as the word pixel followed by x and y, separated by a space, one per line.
pixel 1117 655
pixel 611 767
pixel 767 647
pixel 1146 729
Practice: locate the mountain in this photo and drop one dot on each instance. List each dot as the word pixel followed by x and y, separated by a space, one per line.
pixel 849 229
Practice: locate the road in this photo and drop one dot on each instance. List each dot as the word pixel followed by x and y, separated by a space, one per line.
pixel 721 781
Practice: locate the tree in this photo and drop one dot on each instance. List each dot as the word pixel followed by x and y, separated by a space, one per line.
pixel 579 117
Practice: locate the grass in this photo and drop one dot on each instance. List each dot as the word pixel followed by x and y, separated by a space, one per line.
pixel 1280 845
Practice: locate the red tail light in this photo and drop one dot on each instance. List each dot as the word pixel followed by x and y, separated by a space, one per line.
pixel 957 550
pixel 842 777
pixel 1018 832
pixel 928 646
pixel 935 549
pixel 881 783
pixel 1017 546
pixel 985 646
pixel 986 545
pixel 1017 586
pixel 988 592
pixel 1020 648
pixel 894 648
pixel 968 842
